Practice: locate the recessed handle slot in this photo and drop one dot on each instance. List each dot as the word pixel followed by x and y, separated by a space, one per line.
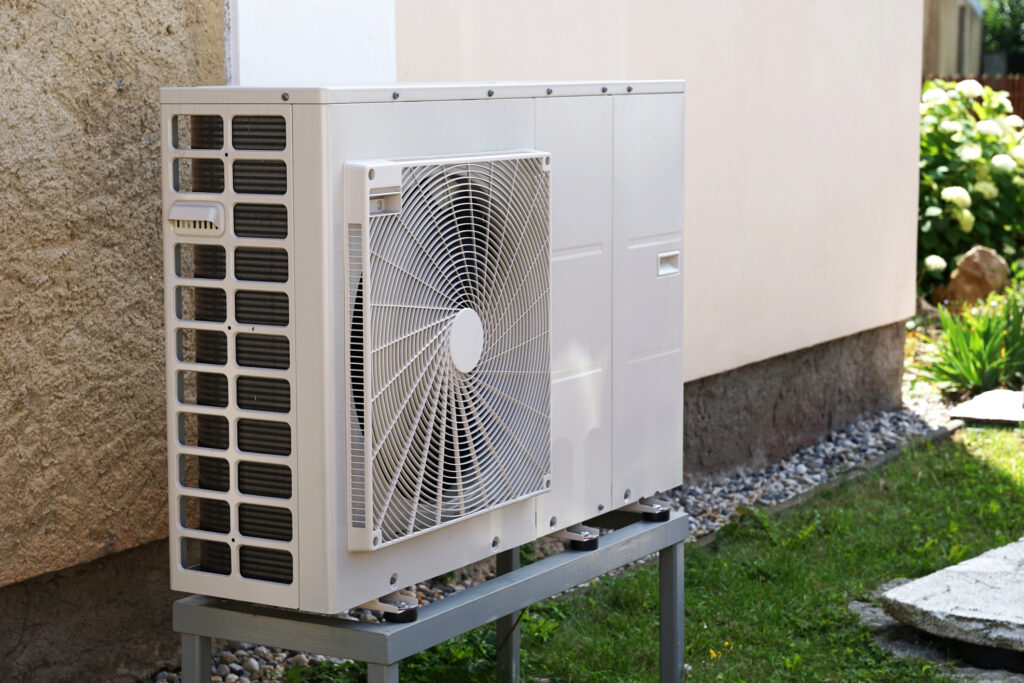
pixel 668 264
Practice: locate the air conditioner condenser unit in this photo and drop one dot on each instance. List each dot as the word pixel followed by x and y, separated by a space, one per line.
pixel 409 327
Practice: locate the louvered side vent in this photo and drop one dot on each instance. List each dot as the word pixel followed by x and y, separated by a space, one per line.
pixel 233 367
pixel 449 361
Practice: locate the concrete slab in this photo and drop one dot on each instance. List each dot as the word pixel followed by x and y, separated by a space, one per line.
pixel 904 641
pixel 1000 406
pixel 979 601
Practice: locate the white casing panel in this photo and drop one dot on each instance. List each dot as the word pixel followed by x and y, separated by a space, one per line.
pixel 616 309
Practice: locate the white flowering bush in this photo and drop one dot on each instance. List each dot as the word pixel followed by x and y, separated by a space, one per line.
pixel 972 175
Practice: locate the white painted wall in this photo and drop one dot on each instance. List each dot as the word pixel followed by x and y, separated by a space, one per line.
pixel 801 135
pixel 310 42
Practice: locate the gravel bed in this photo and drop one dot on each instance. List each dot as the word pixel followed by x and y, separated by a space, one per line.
pixel 710 504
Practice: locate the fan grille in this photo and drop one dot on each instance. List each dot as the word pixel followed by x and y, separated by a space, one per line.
pixel 444 444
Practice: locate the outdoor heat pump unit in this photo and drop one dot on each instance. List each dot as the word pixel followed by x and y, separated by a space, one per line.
pixel 412 326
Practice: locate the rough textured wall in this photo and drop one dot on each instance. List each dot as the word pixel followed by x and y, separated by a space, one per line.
pixel 761 413
pixel 81 324
pixel 109 620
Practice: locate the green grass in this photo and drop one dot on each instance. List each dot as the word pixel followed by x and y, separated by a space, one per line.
pixel 767 600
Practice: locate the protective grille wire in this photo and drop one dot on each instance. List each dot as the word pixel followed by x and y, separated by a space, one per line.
pixel 448 444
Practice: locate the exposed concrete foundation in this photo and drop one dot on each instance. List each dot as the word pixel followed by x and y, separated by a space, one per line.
pixel 107 620
pixel 760 413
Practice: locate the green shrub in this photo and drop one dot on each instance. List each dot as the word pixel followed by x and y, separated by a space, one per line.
pixel 982 348
pixel 972 176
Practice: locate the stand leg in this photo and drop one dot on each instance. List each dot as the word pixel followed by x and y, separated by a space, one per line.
pixel 195 658
pixel 670 579
pixel 508 625
pixel 382 673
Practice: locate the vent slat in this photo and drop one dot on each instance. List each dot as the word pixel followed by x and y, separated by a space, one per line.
pixel 263 221
pixel 214 515
pixel 261 521
pixel 260 436
pixel 259 177
pixel 211 389
pixel 261 265
pixel 265 564
pixel 262 351
pixel 264 393
pixel 258 132
pixel 263 479
pixel 213 474
pixel 261 308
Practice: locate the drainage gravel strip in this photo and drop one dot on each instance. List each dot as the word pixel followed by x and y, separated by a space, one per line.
pixel 842 455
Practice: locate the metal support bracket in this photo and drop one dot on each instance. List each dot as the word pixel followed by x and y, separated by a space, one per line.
pixel 577 532
pixel 393 603
pixel 383 646
pixel 653 509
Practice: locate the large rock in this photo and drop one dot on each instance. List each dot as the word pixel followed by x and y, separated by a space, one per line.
pixel 978 273
pixel 979 601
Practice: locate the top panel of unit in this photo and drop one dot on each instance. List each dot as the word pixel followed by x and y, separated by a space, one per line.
pixel 412 92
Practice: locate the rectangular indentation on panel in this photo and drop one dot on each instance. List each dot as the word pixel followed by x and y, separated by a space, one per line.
pixel 264 521
pixel 261 308
pixel 654 240
pixel 668 264
pixel 264 393
pixel 204 514
pixel 203 472
pixel 203 431
pixel 653 354
pixel 261 265
pixel 262 436
pixel 198 175
pixel 262 351
pixel 202 388
pixel 261 221
pixel 197 131
pixel 265 564
pixel 581 251
pixel 201 303
pixel 202 346
pixel 259 176
pixel 568 375
pixel 213 557
pixel 264 479
pixel 250 132
pixel 202 261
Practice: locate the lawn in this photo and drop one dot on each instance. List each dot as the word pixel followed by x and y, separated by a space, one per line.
pixel 767 600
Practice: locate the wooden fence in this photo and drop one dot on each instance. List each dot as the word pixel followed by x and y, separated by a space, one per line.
pixel 1011 83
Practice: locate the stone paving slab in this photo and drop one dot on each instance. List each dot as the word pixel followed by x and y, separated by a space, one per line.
pixel 979 601
pixel 1000 406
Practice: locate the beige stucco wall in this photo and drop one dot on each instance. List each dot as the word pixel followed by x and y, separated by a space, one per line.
pixel 82 440
pixel 942 36
pixel 801 136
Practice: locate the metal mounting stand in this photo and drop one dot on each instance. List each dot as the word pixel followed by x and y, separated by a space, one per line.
pixel 383 646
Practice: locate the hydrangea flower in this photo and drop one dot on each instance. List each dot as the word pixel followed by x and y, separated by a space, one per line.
pixel 934 263
pixel 1004 103
pixel 935 96
pixel 986 189
pixel 1014 121
pixel 1018 153
pixel 969 152
pixel 954 194
pixel 1004 162
pixel 970 88
pixel 990 127
pixel 950 126
pixel 966 220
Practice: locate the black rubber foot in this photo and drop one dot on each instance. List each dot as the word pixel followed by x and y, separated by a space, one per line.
pixel 656 516
pixel 406 617
pixel 584 545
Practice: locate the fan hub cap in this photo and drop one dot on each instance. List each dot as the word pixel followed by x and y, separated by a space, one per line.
pixel 467 340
